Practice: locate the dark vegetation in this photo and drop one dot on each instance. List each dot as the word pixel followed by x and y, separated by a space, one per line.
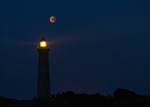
pixel 121 98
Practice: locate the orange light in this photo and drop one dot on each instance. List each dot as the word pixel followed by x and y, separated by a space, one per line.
pixel 43 44
pixel 52 19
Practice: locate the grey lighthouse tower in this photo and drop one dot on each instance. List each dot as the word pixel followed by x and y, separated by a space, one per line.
pixel 43 70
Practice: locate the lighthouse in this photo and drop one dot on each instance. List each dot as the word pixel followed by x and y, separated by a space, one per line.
pixel 43 70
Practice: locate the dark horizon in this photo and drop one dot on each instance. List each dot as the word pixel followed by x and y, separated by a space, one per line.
pixel 95 46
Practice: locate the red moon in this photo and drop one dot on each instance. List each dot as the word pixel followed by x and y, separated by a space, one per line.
pixel 52 19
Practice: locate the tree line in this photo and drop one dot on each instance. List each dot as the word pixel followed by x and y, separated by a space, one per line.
pixel 120 98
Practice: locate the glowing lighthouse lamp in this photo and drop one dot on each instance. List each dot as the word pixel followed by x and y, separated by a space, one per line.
pixel 43 44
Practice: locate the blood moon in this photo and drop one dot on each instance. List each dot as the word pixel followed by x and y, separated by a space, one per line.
pixel 52 19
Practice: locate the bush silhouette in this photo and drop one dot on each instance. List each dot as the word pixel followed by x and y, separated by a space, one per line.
pixel 124 94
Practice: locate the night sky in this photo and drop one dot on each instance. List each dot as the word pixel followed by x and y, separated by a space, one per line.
pixel 96 46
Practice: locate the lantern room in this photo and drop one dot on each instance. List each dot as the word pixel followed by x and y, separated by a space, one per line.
pixel 43 43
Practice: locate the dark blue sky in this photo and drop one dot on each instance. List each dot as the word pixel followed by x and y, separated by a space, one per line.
pixel 96 46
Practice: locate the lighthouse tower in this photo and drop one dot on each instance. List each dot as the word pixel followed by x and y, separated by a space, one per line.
pixel 43 70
